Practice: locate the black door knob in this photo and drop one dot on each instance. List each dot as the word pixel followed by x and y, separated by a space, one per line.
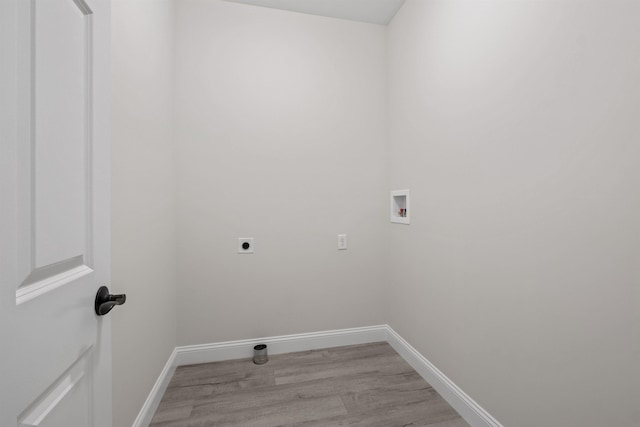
pixel 106 301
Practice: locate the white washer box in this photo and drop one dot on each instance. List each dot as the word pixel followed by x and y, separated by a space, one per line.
pixel 400 206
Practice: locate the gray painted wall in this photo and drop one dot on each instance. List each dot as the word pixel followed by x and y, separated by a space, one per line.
pixel 515 125
pixel 281 129
pixel 144 329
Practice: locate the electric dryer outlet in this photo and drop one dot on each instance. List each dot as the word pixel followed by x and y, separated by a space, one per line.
pixel 245 245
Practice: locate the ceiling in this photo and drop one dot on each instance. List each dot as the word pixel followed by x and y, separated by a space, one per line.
pixel 372 11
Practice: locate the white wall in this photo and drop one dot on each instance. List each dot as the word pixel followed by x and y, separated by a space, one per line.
pixel 280 124
pixel 515 125
pixel 144 329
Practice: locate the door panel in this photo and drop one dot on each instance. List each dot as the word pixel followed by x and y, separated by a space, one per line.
pixel 56 164
pixel 58 405
pixel 60 144
pixel 55 361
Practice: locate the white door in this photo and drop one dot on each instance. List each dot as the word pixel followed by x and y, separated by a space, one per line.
pixel 55 355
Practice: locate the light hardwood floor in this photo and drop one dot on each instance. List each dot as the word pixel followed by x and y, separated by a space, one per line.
pixel 366 385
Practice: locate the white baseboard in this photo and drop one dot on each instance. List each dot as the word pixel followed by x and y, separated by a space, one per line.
pixel 155 396
pixel 473 413
pixel 207 353
pixel 216 352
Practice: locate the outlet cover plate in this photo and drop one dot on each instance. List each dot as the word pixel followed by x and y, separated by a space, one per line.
pixel 342 242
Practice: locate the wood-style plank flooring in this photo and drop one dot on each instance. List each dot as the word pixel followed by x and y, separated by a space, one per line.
pixel 366 385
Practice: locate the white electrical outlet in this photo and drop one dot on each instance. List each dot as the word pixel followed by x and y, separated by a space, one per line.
pixel 245 245
pixel 342 242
